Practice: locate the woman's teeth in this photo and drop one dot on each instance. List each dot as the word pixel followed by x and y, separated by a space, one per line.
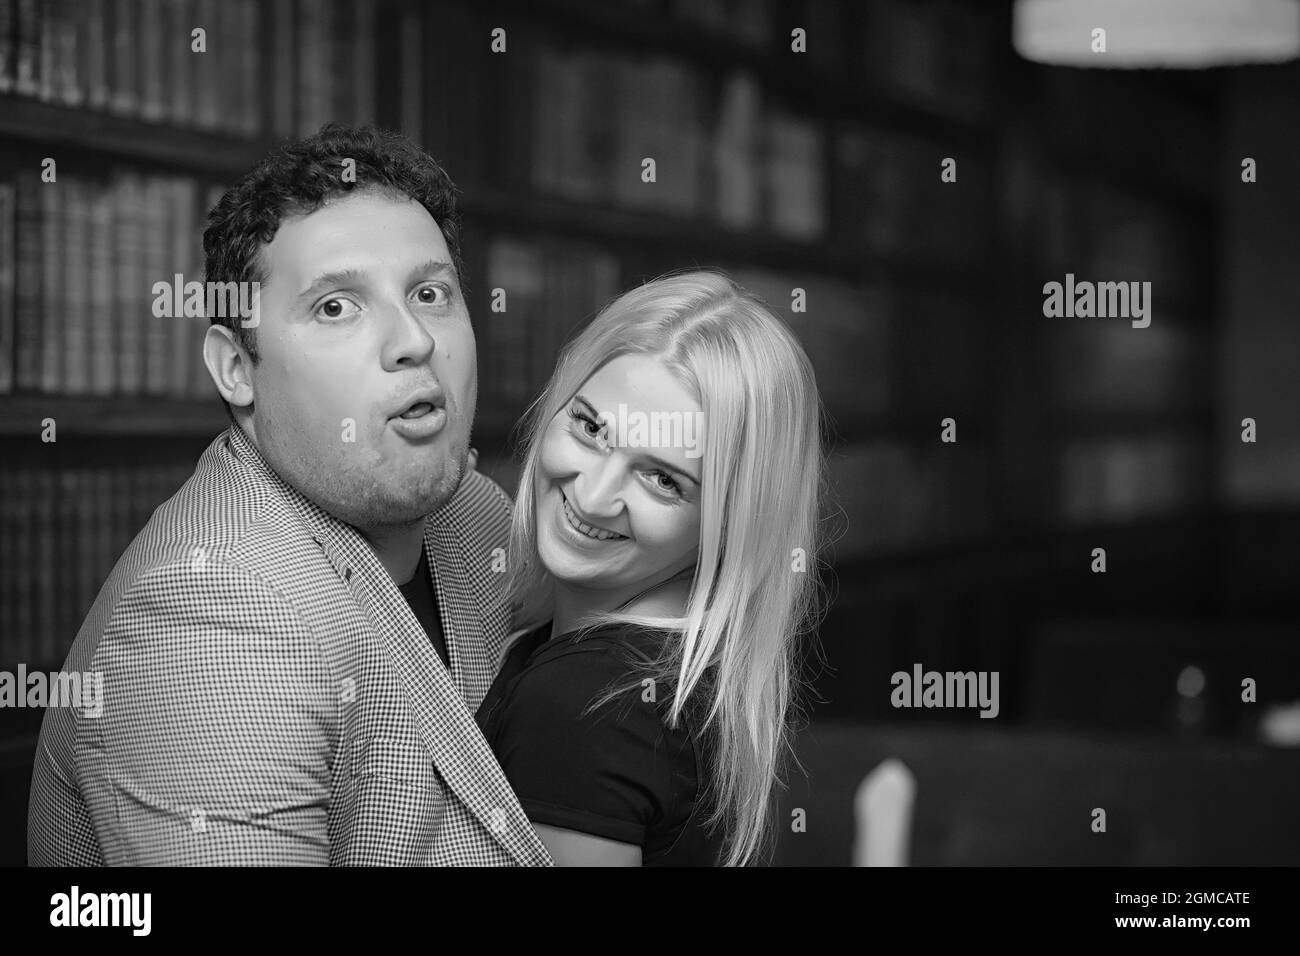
pixel 587 529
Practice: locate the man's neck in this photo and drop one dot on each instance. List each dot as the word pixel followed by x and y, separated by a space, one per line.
pixel 398 548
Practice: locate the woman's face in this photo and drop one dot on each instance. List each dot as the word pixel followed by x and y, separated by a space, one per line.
pixel 617 484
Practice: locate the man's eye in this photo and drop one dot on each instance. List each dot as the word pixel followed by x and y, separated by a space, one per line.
pixel 432 295
pixel 334 309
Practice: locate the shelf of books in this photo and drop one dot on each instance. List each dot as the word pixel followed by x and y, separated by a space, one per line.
pixel 813 177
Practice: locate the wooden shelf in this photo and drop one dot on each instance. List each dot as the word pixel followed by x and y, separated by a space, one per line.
pixel 52 124
pixel 21 415
pixel 778 70
pixel 706 242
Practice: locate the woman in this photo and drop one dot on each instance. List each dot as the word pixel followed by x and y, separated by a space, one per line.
pixel 663 558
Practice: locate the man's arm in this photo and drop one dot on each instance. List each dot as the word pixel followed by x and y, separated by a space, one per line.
pixel 215 738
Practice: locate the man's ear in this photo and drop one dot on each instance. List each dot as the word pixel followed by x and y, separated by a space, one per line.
pixel 229 366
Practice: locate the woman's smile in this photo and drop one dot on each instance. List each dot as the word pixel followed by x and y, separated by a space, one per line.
pixel 594 532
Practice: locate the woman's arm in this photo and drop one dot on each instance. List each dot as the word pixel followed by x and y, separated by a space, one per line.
pixel 571 848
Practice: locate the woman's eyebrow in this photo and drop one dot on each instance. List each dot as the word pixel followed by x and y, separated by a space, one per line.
pixel 666 466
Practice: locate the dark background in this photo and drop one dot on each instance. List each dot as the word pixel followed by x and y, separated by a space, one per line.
pixel 817 171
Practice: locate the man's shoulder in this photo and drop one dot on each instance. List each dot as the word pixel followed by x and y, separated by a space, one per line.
pixel 226 510
pixel 480 508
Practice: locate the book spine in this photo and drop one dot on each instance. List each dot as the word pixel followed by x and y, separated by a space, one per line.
pixel 67 552
pixel 126 66
pixel 76 276
pixel 158 330
pixel 29 287
pixel 178 21
pixel 8 294
pixel 9 505
pixel 48 571
pixel 71 80
pixel 92 39
pixel 250 69
pixel 26 483
pixel 53 274
pixel 103 329
pixel 284 69
pixel 151 49
pixel 311 49
pixel 49 63
pixel 363 13
pixel 8 44
pixel 129 275
pixel 183 339
pixel 27 48
pixel 209 83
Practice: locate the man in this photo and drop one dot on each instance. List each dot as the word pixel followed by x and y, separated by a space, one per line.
pixel 292 650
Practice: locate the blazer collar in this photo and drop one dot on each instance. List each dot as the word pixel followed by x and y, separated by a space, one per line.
pixel 445 720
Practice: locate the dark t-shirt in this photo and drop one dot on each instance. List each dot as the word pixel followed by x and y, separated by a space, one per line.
pixel 424 604
pixel 619 772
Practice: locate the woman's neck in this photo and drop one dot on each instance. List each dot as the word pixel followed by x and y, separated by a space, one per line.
pixel 574 604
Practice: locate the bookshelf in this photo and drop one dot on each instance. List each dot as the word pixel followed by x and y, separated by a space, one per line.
pixel 818 171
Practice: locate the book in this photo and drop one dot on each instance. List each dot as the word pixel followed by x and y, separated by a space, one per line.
pixel 104 343
pixel 27 47
pixel 10 510
pixel 54 316
pixel 8 278
pixel 158 267
pixel 211 86
pixel 74 269
pixel 283 68
pixel 363 25
pixel 516 268
pixel 794 189
pixel 8 39
pixel 130 306
pixel 736 153
pixel 125 26
pixel 93 55
pixel 151 48
pixel 28 248
pixel 183 333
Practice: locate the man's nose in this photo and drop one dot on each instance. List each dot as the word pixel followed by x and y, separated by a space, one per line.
pixel 406 340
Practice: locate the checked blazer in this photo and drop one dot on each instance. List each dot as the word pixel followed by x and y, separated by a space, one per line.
pixel 268 696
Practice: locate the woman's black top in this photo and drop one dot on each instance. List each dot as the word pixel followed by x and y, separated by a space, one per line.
pixel 618 772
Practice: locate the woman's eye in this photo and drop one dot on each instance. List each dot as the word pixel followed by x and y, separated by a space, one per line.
pixel 665 482
pixel 432 295
pixel 335 309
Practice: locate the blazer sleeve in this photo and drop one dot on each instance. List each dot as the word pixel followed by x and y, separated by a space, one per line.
pixel 213 745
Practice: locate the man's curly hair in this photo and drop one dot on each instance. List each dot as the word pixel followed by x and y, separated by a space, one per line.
pixel 300 177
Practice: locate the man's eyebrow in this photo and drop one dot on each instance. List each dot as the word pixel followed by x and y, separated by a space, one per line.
pixel 433 267
pixel 321 282
pixel 665 465
pixel 357 276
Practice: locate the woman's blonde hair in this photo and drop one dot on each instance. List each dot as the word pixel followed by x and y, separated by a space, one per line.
pixel 756 589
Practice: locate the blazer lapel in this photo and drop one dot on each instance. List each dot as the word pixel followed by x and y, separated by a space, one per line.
pixel 462 609
pixel 446 725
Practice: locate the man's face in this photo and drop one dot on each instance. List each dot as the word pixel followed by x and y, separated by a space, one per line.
pixel 365 388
